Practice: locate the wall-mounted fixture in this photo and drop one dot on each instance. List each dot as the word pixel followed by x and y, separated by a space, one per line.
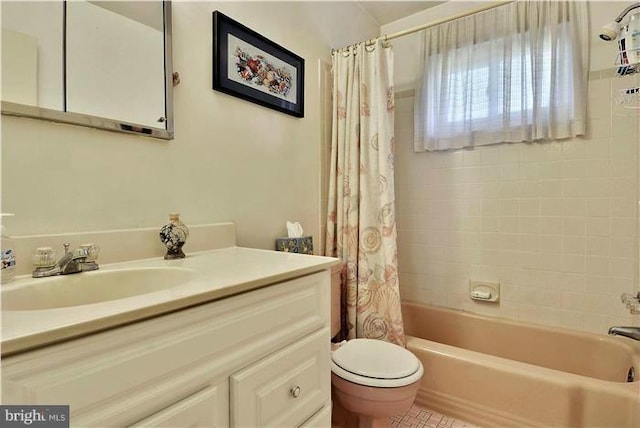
pixel 627 36
pixel 484 291
pixel 61 63
pixel 612 30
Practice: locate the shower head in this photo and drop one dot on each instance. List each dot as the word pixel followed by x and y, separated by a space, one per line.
pixel 610 31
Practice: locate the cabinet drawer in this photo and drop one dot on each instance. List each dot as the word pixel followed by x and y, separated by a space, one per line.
pixel 322 419
pixel 206 408
pixel 286 388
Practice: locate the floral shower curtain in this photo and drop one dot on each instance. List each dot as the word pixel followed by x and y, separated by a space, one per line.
pixel 361 228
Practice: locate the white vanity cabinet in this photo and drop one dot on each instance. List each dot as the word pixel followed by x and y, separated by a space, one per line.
pixel 257 359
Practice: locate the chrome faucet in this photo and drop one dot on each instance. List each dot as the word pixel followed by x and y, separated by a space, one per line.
pixel 70 262
pixel 632 332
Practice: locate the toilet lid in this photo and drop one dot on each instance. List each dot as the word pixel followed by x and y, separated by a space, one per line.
pixel 376 359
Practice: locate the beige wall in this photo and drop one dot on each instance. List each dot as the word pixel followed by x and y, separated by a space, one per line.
pixel 230 161
pixel 555 223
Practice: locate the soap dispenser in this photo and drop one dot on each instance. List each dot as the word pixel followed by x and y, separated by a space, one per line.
pixel 8 256
pixel 174 235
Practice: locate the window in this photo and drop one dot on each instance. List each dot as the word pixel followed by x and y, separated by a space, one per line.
pixel 484 80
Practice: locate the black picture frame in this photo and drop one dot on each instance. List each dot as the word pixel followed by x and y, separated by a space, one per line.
pixel 262 71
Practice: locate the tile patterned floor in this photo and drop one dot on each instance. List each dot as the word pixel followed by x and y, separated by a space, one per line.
pixel 419 417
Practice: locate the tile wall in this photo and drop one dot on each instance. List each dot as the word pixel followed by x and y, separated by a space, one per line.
pixel 555 223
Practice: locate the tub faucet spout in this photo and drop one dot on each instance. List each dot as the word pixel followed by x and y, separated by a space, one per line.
pixel 632 332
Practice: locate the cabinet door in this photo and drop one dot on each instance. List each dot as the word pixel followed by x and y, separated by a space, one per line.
pixel 286 388
pixel 119 376
pixel 208 408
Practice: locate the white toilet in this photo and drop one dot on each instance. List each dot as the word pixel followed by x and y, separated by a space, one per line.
pixel 371 379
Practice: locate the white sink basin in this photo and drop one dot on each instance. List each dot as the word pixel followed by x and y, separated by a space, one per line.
pixel 91 287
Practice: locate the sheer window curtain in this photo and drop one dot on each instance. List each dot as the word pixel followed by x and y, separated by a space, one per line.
pixel 514 73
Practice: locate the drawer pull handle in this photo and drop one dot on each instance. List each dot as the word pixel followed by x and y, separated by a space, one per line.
pixel 295 392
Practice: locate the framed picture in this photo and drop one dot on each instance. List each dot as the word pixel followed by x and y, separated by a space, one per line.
pixel 252 67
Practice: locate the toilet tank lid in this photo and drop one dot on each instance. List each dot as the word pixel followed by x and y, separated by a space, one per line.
pixel 376 359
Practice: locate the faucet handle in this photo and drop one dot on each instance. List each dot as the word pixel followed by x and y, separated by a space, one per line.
pixel 66 246
pixel 44 257
pixel 628 298
pixel 80 252
pixel 92 251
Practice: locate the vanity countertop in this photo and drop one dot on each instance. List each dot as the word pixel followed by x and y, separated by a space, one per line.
pixel 219 273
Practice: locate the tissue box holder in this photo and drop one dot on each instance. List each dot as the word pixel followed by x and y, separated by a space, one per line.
pixel 303 245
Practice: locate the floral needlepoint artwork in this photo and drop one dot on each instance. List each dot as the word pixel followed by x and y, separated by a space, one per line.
pixel 174 235
pixel 260 72
pixel 249 66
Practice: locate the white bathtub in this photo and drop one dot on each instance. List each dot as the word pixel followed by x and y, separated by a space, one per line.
pixel 497 372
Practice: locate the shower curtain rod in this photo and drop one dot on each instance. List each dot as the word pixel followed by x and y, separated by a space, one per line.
pixel 387 37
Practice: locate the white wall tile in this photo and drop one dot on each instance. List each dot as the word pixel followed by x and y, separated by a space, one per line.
pixel 574 168
pixel 598 149
pixel 574 245
pixel 623 247
pixel 599 91
pixel 597 285
pixel 550 207
pixel 598 245
pixel 623 268
pixel 530 207
pixel 599 128
pixel 550 243
pixel 598 207
pixel 598 265
pixel 598 168
pixel 623 207
pixel 573 282
pixel 595 303
pixel 551 225
pixel 509 153
pixel 555 222
pixel 598 226
pixel 574 149
pixel 574 225
pixel 575 207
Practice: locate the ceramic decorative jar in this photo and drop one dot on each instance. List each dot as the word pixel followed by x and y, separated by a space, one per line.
pixel 174 235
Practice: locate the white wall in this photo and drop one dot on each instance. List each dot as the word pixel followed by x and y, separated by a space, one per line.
pixel 230 160
pixel 555 223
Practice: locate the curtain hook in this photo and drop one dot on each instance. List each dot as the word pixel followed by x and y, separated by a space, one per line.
pixel 370 45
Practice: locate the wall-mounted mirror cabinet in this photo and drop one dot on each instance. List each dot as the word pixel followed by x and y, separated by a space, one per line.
pixel 102 64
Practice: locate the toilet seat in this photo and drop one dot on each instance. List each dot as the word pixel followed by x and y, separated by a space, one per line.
pixel 375 363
